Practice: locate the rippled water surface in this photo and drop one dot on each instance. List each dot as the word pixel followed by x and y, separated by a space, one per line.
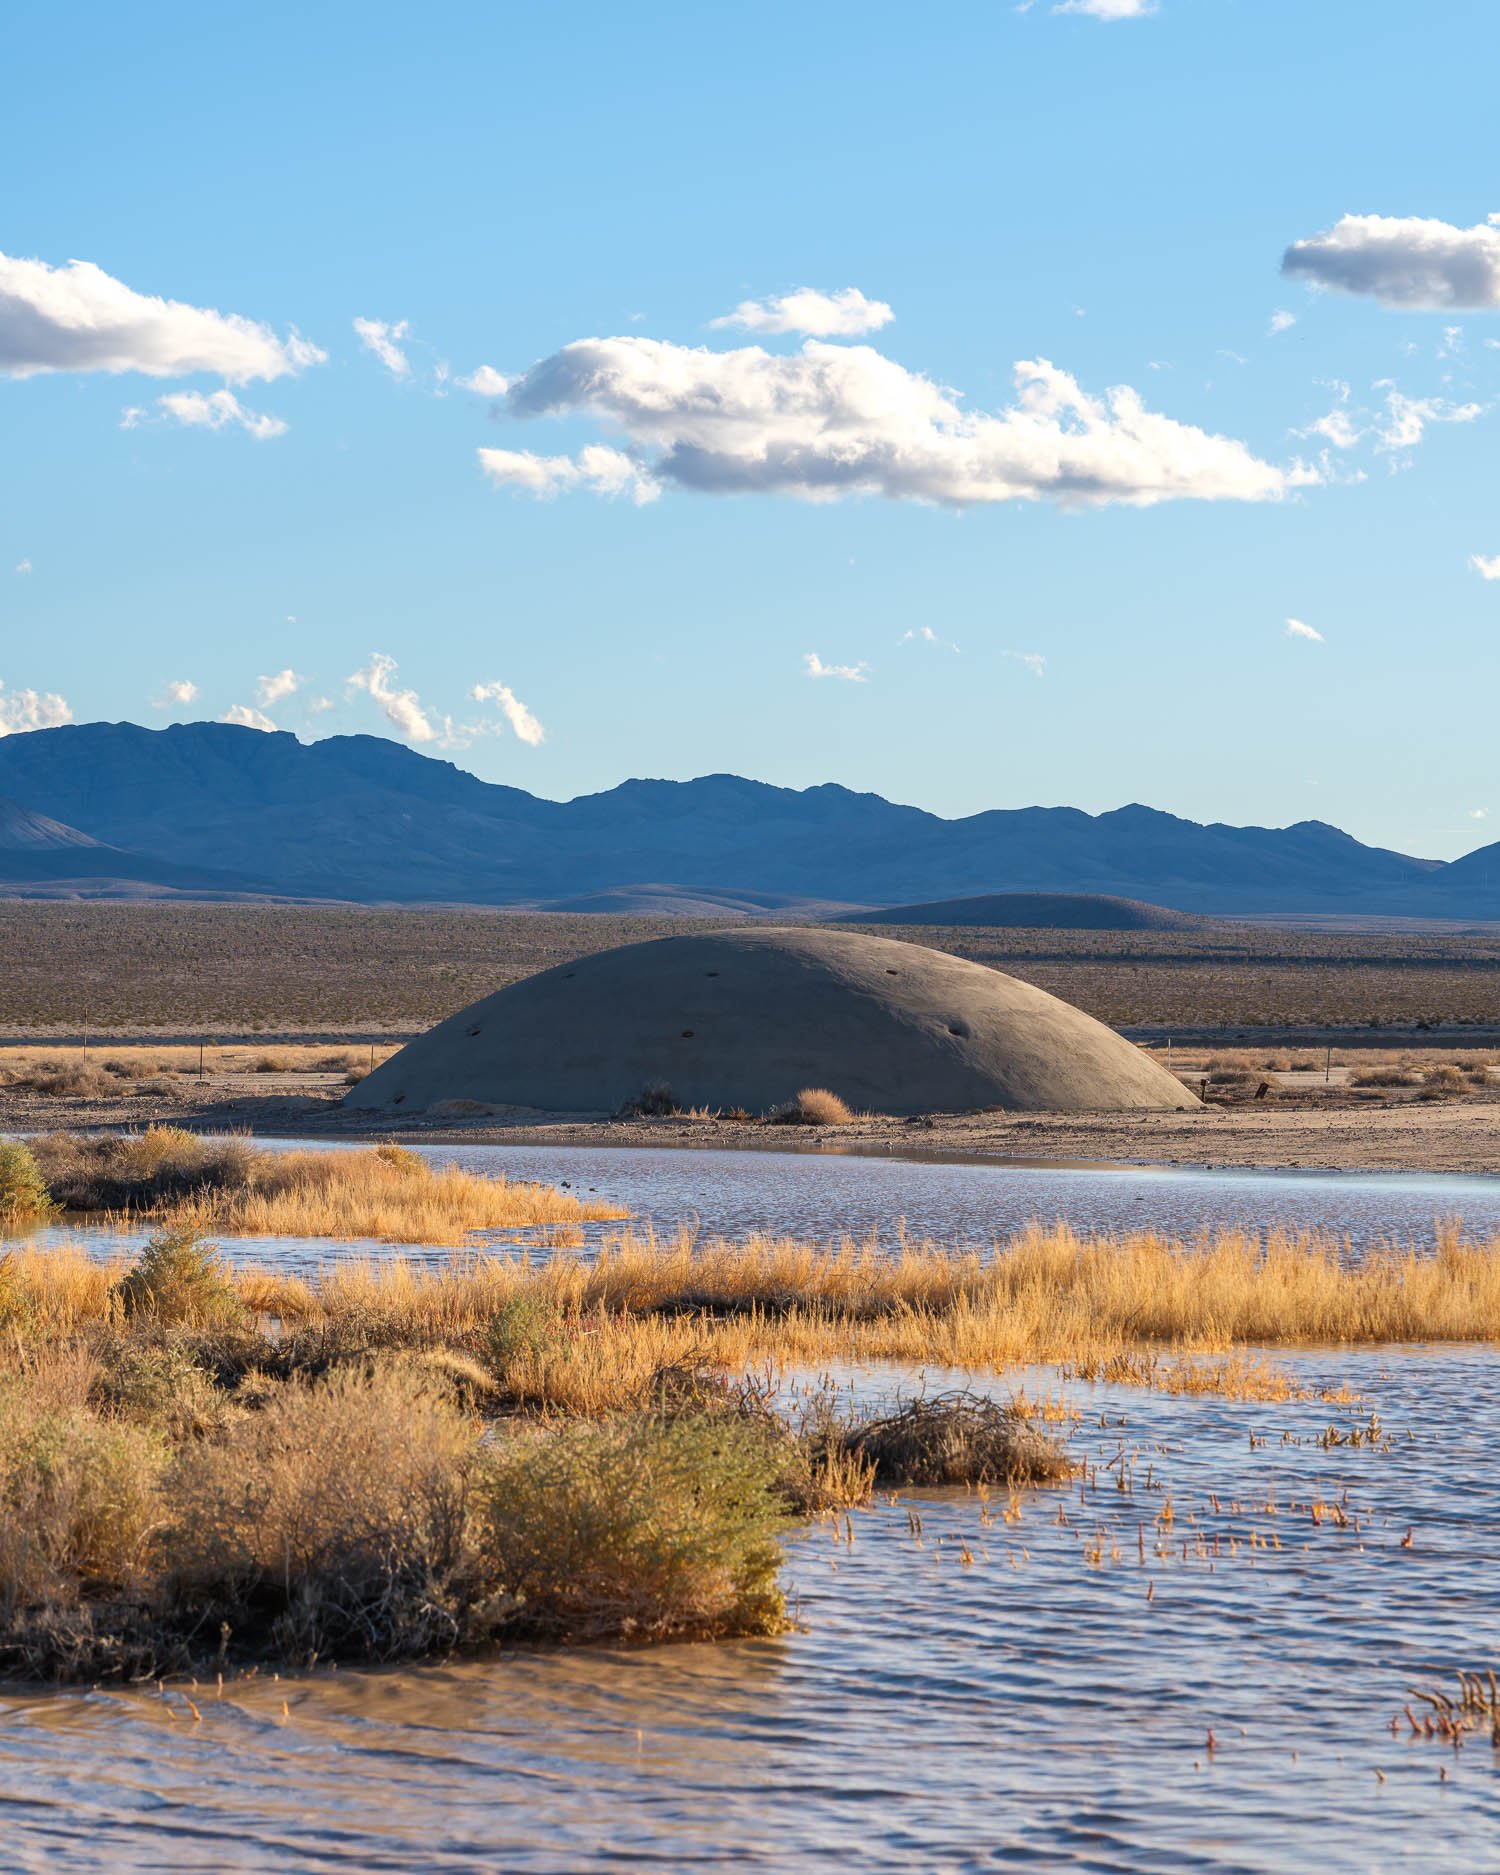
pixel 1046 1705
pixel 968 1690
pixel 823 1195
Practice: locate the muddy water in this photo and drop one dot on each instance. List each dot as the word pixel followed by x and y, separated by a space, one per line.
pixel 1046 1704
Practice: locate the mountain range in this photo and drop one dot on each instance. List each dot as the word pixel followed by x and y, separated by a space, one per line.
pixel 214 810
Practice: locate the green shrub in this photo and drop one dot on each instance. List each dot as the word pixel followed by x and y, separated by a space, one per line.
pixel 23 1191
pixel 647 1528
pixel 522 1327
pixel 180 1279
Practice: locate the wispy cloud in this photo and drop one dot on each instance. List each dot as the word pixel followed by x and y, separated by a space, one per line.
pixel 925 635
pixel 180 691
pixel 1034 661
pixel 23 566
pixel 1479 813
pixel 384 340
pixel 1396 428
pixel 402 707
pixel 1280 322
pixel 515 712
pixel 269 690
pixel 243 717
pixel 207 410
pixel 1296 629
pixel 831 421
pixel 846 673
pixel 1407 261
pixel 1109 9
pixel 21 710
pixel 1486 566
pixel 77 318
pixel 842 315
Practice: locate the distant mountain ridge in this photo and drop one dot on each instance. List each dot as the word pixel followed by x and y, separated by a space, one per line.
pixel 364 819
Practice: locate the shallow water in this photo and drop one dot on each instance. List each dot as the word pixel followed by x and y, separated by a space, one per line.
pixel 1032 1710
pixel 827 1195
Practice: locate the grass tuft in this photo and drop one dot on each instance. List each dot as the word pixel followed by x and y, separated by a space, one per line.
pixel 813 1106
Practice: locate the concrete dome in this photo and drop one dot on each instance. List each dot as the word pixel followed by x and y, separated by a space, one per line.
pixel 746 1018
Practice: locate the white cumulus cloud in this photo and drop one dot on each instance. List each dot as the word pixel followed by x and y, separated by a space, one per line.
pixel 842 315
pixel 384 340
pixel 402 707
pixel 836 420
pixel 78 318
pixel 32 709
pixel 23 566
pixel 486 381
pixel 1280 322
pixel 605 471
pixel 244 717
pixel 181 691
pixel 515 712
pixel 269 690
pixel 1405 260
pixel 1486 566
pixel 1479 813
pixel 846 673
pixel 209 410
pixel 1296 629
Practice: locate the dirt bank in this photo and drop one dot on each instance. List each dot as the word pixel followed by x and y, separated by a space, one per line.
pixel 1340 1131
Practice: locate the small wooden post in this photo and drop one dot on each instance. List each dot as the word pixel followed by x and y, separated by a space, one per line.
pixel 1328 1065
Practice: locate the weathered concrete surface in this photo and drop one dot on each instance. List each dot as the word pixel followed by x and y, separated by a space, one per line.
pixel 745 1018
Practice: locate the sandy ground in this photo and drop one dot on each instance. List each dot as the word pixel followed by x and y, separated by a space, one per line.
pixel 1340 1130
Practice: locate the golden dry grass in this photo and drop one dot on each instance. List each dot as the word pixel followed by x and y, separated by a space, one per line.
pixel 1143 1308
pixel 114 1065
pixel 192 1182
pixel 383 1193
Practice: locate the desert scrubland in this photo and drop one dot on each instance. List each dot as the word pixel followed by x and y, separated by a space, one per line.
pixel 240 971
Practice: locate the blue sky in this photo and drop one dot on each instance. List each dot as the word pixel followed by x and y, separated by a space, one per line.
pixel 1083 599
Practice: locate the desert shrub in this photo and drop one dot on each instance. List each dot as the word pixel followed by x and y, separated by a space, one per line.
pixel 523 1327
pixel 1444 1082
pixel 180 1279
pixel 65 1080
pixel 813 1106
pixel 158 1381
pixel 655 1101
pixel 333 1518
pixel 1387 1075
pixel 955 1438
pixel 79 1502
pixel 136 1171
pixel 23 1190
pixel 129 1067
pixel 644 1528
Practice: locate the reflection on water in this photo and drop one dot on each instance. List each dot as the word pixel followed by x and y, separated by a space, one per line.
pixel 822 1195
pixel 1032 1709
